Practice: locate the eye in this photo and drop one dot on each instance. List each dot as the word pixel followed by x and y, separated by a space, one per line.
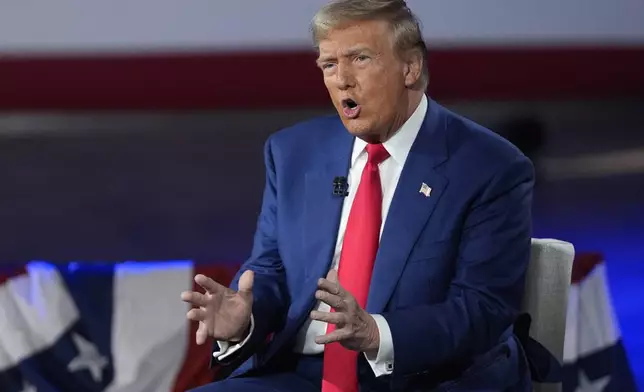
pixel 362 58
pixel 326 66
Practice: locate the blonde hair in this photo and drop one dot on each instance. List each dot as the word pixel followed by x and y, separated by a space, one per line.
pixel 405 26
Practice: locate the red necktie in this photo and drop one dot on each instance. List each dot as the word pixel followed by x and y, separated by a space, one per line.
pixel 359 248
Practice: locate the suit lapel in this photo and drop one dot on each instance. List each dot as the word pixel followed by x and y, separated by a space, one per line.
pixel 410 209
pixel 323 209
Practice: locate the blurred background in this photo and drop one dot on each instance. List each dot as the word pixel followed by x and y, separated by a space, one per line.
pixel 134 131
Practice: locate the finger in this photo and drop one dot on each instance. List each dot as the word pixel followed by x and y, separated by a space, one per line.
pixel 331 287
pixel 208 284
pixel 196 314
pixel 328 317
pixel 333 275
pixel 334 301
pixel 194 298
pixel 332 284
pixel 336 336
pixel 246 282
pixel 202 333
pixel 328 286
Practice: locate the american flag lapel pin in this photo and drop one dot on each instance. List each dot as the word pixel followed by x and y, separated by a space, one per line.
pixel 425 190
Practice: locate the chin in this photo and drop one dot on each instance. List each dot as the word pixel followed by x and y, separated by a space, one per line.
pixel 357 127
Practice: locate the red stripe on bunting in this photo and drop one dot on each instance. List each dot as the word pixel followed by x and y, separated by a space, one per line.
pixel 195 369
pixel 9 272
pixel 584 264
pixel 290 79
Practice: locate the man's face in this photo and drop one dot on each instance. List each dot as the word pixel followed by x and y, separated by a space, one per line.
pixel 365 79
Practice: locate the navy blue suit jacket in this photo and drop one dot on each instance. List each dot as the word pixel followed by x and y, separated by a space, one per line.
pixel 449 274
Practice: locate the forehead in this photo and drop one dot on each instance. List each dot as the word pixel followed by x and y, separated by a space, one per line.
pixel 371 35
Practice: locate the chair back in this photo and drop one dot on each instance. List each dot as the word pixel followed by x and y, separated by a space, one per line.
pixel 546 296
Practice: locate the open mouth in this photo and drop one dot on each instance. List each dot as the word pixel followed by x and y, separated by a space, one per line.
pixel 350 108
pixel 349 103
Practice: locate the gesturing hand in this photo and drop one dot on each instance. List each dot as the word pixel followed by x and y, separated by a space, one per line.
pixel 222 313
pixel 355 329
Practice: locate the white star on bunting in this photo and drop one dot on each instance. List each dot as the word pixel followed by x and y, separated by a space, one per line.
pixel 88 358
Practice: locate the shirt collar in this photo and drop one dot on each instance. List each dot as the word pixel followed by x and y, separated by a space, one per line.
pixel 400 143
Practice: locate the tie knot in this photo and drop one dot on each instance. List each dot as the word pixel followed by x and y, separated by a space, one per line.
pixel 377 153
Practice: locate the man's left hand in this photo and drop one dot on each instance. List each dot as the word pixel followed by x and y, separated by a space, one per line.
pixel 355 329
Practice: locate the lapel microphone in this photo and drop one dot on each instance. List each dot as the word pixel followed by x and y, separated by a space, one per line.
pixel 340 187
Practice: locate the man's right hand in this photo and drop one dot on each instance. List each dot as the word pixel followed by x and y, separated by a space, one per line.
pixel 222 313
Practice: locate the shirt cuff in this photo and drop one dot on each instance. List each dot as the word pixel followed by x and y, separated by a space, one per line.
pixel 383 363
pixel 226 350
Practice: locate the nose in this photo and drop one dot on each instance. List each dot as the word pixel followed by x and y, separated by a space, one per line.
pixel 344 77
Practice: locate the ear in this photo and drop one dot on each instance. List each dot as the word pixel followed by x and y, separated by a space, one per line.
pixel 413 68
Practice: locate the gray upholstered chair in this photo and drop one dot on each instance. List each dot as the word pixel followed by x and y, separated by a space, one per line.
pixel 546 296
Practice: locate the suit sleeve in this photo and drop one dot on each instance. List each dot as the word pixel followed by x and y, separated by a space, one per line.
pixel 485 294
pixel 270 294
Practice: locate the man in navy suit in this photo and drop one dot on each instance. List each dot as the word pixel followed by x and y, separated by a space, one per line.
pixel 393 239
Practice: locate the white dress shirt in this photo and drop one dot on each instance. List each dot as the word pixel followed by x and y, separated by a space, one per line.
pixel 398 147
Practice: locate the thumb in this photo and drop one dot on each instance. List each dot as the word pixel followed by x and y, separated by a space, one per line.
pixel 202 333
pixel 332 276
pixel 246 282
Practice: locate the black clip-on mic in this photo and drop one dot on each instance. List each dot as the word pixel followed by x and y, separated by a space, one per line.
pixel 340 186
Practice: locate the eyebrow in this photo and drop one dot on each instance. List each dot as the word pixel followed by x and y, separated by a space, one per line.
pixel 349 53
